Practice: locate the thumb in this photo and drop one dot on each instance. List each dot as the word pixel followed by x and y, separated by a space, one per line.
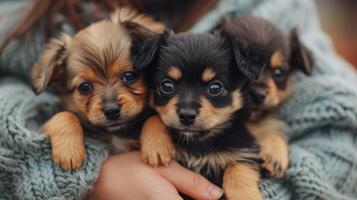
pixel 190 183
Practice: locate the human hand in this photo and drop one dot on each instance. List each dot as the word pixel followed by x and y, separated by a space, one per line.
pixel 127 177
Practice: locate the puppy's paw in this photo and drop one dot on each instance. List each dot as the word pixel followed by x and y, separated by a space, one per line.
pixel 68 157
pixel 67 140
pixel 158 154
pixel 156 144
pixel 275 156
pixel 243 195
pixel 241 182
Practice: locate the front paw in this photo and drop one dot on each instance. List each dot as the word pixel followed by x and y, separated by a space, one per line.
pixel 241 182
pixel 275 157
pixel 156 144
pixel 157 154
pixel 67 140
pixel 243 195
pixel 68 157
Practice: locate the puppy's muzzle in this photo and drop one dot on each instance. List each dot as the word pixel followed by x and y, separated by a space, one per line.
pixel 258 95
pixel 112 111
pixel 187 116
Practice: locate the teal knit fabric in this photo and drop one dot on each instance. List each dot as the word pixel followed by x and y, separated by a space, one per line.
pixel 322 114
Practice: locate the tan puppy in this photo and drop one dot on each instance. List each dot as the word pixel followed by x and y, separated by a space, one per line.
pixel 93 74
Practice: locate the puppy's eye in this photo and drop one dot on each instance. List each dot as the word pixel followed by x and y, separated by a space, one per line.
pixel 129 77
pixel 167 87
pixel 279 74
pixel 215 88
pixel 85 88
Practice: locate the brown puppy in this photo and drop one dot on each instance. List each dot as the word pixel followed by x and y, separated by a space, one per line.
pixel 285 56
pixel 93 74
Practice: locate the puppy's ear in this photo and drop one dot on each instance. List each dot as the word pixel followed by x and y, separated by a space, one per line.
pixel 137 31
pixel 51 64
pixel 250 58
pixel 139 25
pixel 300 56
pixel 149 48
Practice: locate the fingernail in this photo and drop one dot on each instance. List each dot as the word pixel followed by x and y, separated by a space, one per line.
pixel 215 192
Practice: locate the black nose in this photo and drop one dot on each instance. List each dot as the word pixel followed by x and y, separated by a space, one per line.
pixel 187 116
pixel 112 111
pixel 258 95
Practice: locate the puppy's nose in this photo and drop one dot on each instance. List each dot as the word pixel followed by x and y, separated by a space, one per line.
pixel 258 95
pixel 112 111
pixel 187 116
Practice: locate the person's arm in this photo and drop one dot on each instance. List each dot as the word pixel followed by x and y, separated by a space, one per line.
pixel 127 177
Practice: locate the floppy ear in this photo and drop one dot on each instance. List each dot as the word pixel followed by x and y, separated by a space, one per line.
pixel 124 15
pixel 300 56
pixel 250 59
pixel 137 31
pixel 149 48
pixel 50 65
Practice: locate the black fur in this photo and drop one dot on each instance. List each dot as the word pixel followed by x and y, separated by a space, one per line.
pixel 265 37
pixel 262 36
pixel 192 54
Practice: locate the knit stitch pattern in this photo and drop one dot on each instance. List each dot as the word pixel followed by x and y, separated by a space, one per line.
pixel 321 113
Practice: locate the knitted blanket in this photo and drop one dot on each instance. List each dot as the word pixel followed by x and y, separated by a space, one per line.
pixel 321 113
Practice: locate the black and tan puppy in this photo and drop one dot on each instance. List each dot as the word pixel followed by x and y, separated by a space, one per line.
pixel 93 74
pixel 199 88
pixel 285 55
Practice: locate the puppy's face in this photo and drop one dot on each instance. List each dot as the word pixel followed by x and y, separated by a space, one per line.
pixel 274 84
pixel 196 87
pixel 104 88
pixel 285 57
pixel 96 71
pixel 196 84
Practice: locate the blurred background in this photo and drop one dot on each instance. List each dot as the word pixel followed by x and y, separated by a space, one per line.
pixel 339 20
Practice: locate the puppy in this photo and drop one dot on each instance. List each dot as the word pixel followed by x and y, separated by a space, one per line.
pixel 93 74
pixel 285 56
pixel 199 87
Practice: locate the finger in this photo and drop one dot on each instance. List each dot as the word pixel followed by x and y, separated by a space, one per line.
pixel 190 183
pixel 163 191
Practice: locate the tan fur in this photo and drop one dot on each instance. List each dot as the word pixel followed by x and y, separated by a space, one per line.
pixel 284 94
pixel 215 161
pixel 210 117
pixel 156 145
pixel 46 66
pixel 272 98
pixel 98 54
pixel 266 126
pixel 241 182
pixel 175 73
pixel 208 74
pixel 101 44
pixel 168 112
pixel 128 14
pixel 111 56
pixel 274 151
pixel 275 96
pixel 277 59
pixel 275 155
pixel 119 67
pixel 67 141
